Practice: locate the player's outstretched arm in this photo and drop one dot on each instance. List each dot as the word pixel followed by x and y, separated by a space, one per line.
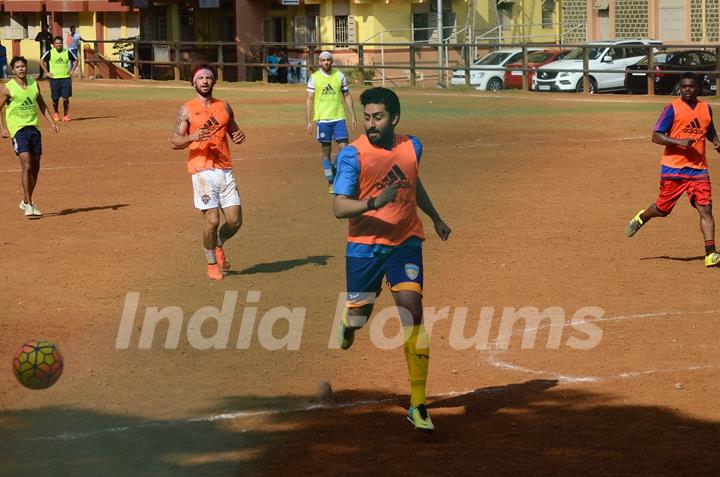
pixel 45 111
pixel 426 205
pixel 236 134
pixel 181 139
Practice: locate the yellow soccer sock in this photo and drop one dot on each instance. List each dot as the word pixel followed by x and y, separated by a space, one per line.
pixel 417 354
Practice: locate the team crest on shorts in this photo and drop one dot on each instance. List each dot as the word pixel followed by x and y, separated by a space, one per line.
pixel 412 271
pixel 205 198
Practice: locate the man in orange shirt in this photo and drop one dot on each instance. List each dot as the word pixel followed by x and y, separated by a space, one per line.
pixel 682 128
pixel 203 125
pixel 378 188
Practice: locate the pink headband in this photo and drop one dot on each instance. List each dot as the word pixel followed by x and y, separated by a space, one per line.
pixel 201 71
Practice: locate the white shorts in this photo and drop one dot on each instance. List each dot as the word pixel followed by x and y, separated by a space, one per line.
pixel 215 188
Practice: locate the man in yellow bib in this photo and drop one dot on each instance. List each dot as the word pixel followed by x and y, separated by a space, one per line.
pixel 327 89
pixel 59 59
pixel 21 96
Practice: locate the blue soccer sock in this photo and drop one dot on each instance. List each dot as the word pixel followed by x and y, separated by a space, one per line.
pixel 328 170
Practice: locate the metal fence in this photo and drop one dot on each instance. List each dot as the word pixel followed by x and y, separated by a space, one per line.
pixel 399 63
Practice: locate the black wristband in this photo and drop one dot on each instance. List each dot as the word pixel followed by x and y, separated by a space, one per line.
pixel 371 203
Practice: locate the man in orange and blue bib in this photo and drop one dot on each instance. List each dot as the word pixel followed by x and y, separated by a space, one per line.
pixel 203 126
pixel 683 127
pixel 378 189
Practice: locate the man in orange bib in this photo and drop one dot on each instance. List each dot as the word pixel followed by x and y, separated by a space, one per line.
pixel 682 128
pixel 203 125
pixel 378 188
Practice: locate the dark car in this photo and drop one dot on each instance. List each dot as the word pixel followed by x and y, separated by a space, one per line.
pixel 672 60
pixel 514 73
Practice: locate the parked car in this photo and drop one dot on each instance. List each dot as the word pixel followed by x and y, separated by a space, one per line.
pixel 613 56
pixel 514 73
pixel 675 60
pixel 487 73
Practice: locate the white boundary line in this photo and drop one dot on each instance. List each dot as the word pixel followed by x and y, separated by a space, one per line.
pixel 491 359
pixel 69 436
pixel 498 363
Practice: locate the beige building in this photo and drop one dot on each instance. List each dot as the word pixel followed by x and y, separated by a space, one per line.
pixel 101 20
pixel 673 21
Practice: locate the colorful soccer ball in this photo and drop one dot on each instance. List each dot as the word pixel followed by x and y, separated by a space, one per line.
pixel 38 364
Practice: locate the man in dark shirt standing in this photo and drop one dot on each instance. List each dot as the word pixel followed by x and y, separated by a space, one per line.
pixel 45 38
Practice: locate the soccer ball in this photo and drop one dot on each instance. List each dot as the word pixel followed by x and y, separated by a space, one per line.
pixel 38 364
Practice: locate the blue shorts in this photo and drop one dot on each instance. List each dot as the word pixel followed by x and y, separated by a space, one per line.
pixel 28 139
pixel 60 88
pixel 402 267
pixel 337 130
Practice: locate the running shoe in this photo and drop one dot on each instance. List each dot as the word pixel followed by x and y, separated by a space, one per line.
pixel 712 260
pixel 346 336
pixel 634 225
pixel 221 258
pixel 419 417
pixel 214 272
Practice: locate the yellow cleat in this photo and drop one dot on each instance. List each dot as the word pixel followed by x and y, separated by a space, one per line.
pixel 346 336
pixel 634 225
pixel 420 418
pixel 712 260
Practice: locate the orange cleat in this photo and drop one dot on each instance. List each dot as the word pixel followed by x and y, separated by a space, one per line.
pixel 214 272
pixel 56 116
pixel 66 118
pixel 221 258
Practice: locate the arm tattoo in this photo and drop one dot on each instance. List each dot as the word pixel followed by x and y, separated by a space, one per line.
pixel 180 120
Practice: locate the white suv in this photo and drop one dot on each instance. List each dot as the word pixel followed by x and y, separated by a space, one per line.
pixel 487 73
pixel 602 55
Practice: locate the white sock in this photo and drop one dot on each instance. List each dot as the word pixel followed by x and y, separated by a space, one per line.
pixel 210 255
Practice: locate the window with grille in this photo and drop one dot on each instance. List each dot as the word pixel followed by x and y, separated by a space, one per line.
pixel 341 30
pixel 306 29
pixel 548 12
pixel 311 29
pixel 421 27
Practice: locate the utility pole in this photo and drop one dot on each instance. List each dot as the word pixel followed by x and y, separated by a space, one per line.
pixel 441 62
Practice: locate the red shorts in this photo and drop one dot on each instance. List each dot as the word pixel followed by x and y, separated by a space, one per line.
pixel 699 193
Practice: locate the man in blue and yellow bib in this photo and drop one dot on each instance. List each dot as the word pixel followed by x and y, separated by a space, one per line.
pixel 59 59
pixel 327 91
pixel 21 96
pixel 683 127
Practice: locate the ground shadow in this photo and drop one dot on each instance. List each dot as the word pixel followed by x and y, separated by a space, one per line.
pixel 86 209
pixel 679 259
pixel 283 265
pixel 90 118
pixel 530 428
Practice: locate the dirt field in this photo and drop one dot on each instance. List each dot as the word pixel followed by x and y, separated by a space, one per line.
pixel 537 189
